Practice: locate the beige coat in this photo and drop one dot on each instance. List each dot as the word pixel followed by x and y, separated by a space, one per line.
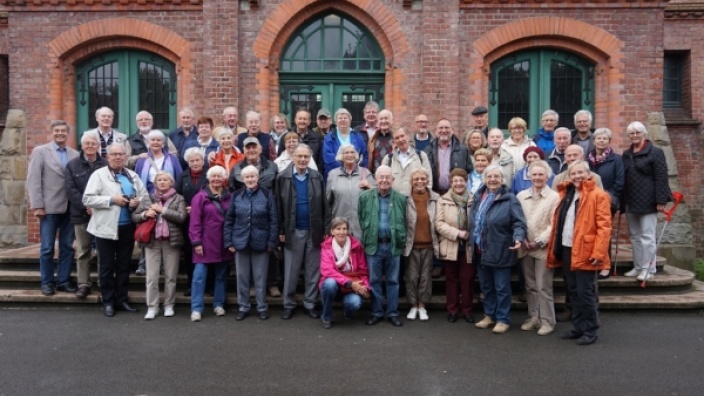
pixel 412 217
pixel 446 226
pixel 539 216
pixel 46 185
pixel 402 176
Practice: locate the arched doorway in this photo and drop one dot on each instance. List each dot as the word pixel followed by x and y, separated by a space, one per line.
pixel 331 61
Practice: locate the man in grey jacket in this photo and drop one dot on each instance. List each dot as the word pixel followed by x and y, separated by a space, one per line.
pixel 48 200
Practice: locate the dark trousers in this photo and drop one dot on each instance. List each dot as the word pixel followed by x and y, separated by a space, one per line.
pixel 115 257
pixel 581 288
pixel 459 279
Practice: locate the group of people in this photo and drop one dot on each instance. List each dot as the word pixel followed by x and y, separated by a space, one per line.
pixel 350 209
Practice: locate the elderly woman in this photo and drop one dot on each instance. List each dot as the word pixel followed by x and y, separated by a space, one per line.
pixel 421 244
pixel 482 158
pixel 498 230
pixel 158 159
pixel 188 185
pixel 344 186
pixel 539 203
pixel 205 141
pixel 645 194
pixel 291 141
pixel 206 233
pixel 452 226
pixel 475 140
pixel 522 180
pixel 343 270
pixel 517 142
pixel 169 210
pixel 545 137
pixel 279 126
pixel 251 232
pixel 343 135
pixel 227 154
pixel 580 246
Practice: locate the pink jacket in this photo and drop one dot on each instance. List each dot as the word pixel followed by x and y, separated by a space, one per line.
pixel 328 269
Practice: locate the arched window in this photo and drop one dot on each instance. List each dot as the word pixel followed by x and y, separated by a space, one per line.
pixel 127 82
pixel 331 61
pixel 525 84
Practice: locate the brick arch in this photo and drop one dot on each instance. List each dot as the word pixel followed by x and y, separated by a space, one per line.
pixel 591 42
pixel 92 38
pixel 291 14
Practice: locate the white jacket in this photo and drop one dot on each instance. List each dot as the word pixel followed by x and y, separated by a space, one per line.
pixel 101 187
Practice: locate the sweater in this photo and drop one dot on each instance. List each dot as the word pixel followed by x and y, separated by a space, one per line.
pixel 423 236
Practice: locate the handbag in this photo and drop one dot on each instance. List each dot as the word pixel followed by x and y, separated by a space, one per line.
pixel 143 233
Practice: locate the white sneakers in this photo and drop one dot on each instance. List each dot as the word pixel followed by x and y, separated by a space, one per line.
pixel 644 275
pixel 500 328
pixel 531 323
pixel 632 273
pixel 151 313
pixel 423 315
pixel 219 311
pixel 168 311
pixel 545 329
pixel 420 313
pixel 412 314
pixel 484 323
pixel 195 316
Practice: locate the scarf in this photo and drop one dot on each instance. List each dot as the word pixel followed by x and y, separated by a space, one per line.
pixel 487 200
pixel 342 255
pixel 167 166
pixel 594 160
pixel 161 229
pixel 562 209
pixel 195 176
pixel 461 202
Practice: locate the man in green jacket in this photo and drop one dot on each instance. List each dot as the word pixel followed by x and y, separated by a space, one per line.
pixel 382 216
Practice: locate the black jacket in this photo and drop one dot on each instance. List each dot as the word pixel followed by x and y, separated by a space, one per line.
pixel 459 158
pixel 185 187
pixel 312 139
pixel 286 202
pixel 612 177
pixel 646 180
pixel 77 173
pixel 268 171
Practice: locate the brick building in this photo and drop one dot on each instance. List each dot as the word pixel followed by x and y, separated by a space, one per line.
pixel 624 60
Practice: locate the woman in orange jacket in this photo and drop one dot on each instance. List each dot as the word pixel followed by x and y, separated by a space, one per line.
pixel 580 246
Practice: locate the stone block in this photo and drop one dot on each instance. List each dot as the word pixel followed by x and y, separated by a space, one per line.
pixel 680 256
pixel 6 168
pixel 10 215
pixel 16 119
pixel 12 193
pixel 13 237
pixel 19 170
pixel 12 142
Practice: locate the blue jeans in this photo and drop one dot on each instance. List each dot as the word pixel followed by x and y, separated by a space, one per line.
pixel 328 291
pixel 200 272
pixel 496 286
pixel 380 264
pixel 47 233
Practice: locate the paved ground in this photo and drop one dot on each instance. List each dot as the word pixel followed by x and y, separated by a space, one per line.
pixel 67 350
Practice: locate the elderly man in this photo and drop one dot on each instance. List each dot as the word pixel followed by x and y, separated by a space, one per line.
pixel 423 135
pixel 382 215
pixel 582 133
pixel 253 120
pixel 403 160
pixel 446 153
pixel 139 141
pixel 230 118
pixel 382 141
pixel 556 159
pixel 573 153
pixel 324 122
pixel 544 138
pixel 499 155
pixel 480 115
pixel 113 193
pixel 306 136
pixel 104 116
pixel 371 121
pixel 77 173
pixel 186 132
pixel 302 221
pixel 47 198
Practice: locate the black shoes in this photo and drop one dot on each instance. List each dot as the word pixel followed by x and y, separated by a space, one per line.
pixel 286 314
pixel 586 340
pixel 125 307
pixel 469 318
pixel 48 290
pixel 313 313
pixel 83 292
pixel 263 315
pixel 108 310
pixel 327 324
pixel 241 315
pixel 66 287
pixel 571 335
pixel 373 320
pixel 452 318
pixel 395 321
pixel 187 293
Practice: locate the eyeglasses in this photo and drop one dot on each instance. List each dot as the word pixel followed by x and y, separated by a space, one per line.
pixel 117 154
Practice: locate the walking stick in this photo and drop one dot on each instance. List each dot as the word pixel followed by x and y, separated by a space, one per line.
pixel 668 216
pixel 618 237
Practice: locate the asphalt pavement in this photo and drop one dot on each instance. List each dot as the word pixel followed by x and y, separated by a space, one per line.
pixel 66 350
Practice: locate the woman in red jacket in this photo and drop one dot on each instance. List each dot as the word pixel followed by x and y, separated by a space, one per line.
pixel 580 245
pixel 343 269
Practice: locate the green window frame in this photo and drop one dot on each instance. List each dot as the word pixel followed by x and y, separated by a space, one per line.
pixel 126 81
pixel 526 83
pixel 672 80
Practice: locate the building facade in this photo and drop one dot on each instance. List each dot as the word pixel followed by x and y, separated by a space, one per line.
pixel 624 60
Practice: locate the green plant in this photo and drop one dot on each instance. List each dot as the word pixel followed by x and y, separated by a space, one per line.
pixel 699 269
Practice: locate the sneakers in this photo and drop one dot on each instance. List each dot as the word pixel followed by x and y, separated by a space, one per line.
pixel 168 311
pixel 484 323
pixel 531 323
pixel 412 314
pixel 151 314
pixel 195 316
pixel 545 329
pixel 219 311
pixel 632 273
pixel 274 291
pixel 423 315
pixel 500 328
pixel 644 275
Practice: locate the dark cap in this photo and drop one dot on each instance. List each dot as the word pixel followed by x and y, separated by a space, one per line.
pixel 250 140
pixel 324 113
pixel 533 149
pixel 479 110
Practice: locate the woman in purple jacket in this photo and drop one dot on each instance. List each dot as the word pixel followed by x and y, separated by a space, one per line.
pixel 208 213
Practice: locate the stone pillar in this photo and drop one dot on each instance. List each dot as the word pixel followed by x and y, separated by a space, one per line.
pixel 13 174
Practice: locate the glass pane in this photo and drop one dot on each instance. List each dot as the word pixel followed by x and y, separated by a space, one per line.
pixel 349 45
pixel 371 45
pixel 377 65
pixel 297 65
pixel 310 101
pixel 565 91
pixel 310 28
pixel 103 90
pixel 313 65
pixel 154 93
pixel 672 81
pixel 355 104
pixel 514 92
pixel 293 47
pixel 365 65
pixel 332 43
pixel 314 43
pixel 331 65
pixel 332 20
